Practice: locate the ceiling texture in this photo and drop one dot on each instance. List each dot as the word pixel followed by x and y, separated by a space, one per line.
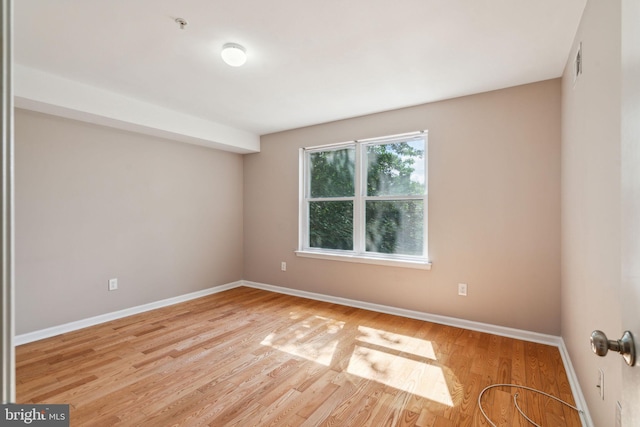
pixel 309 62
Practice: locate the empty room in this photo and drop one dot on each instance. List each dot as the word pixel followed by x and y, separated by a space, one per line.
pixel 296 213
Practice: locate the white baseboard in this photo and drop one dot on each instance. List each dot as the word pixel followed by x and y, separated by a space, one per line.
pixel 452 321
pixel 434 318
pixel 107 317
pixel 575 385
pixel 444 320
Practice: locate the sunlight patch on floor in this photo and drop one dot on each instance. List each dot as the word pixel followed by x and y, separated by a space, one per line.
pixel 403 343
pixel 308 339
pixel 395 360
pixel 417 377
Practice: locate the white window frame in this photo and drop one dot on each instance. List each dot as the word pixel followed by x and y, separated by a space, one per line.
pixel 359 254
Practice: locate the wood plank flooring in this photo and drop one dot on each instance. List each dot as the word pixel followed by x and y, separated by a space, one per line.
pixel 247 357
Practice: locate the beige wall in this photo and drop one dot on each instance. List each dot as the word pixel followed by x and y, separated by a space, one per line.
pixel 591 212
pixel 93 203
pixel 494 210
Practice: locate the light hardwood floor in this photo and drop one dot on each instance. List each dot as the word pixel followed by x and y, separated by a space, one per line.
pixel 249 357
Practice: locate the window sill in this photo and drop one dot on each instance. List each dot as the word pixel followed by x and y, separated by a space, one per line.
pixel 421 265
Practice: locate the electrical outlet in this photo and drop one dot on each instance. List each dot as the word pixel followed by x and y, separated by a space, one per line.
pixel 113 284
pixel 600 384
pixel 462 289
pixel 283 266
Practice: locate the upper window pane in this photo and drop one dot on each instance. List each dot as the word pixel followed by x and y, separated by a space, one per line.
pixel 331 173
pixel 396 168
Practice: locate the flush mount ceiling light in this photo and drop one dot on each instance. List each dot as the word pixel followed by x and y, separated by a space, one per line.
pixel 234 54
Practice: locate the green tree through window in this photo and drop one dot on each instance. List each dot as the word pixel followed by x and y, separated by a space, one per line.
pixel 394 226
pixel 368 197
pixel 332 174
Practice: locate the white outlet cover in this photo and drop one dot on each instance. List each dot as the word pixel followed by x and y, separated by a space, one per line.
pixel 113 284
pixel 462 289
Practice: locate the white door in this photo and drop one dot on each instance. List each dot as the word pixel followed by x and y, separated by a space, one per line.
pixel 630 287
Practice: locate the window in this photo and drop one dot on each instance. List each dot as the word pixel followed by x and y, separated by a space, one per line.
pixel 366 201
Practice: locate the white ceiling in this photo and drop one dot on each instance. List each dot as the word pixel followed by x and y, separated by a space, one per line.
pixel 308 61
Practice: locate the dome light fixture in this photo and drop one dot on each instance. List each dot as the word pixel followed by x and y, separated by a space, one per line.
pixel 234 54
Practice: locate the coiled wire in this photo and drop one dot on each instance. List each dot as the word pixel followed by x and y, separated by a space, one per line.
pixel 515 401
